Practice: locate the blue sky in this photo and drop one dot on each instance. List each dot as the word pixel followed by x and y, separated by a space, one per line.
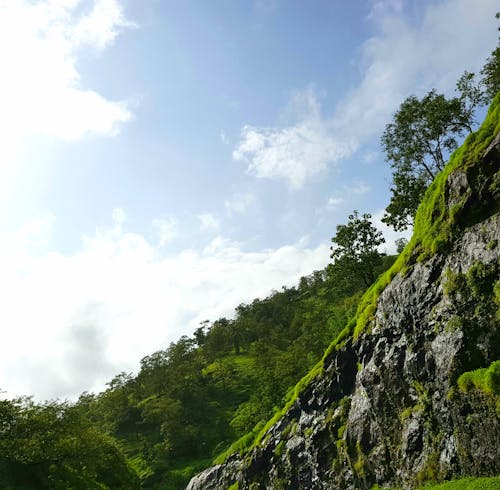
pixel 164 161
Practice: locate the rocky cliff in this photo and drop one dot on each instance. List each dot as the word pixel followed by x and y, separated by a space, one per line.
pixel 385 405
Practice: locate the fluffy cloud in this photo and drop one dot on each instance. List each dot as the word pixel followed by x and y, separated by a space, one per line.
pixel 41 91
pixel 166 229
pixel 404 56
pixel 296 152
pixel 239 203
pixel 407 56
pixel 98 311
pixel 335 201
pixel 208 222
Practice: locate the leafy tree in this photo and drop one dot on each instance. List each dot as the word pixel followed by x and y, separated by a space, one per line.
pixel 491 70
pixel 401 244
pixel 53 446
pixel 418 141
pixel 355 249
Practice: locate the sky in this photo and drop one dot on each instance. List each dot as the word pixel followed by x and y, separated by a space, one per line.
pixel 163 161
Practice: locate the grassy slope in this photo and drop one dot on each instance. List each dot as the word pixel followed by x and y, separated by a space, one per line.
pixel 433 231
pixel 468 484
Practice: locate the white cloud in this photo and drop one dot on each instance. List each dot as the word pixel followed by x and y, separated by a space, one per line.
pixel 239 203
pixel 41 91
pixel 405 56
pixel 166 229
pixel 296 152
pixel 119 216
pixel 357 188
pixel 335 201
pixel 100 27
pixel 73 321
pixel 224 138
pixel 208 222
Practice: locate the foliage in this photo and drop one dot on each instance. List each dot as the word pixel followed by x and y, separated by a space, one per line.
pixel 492 483
pixel 355 248
pixel 188 403
pixel 435 224
pixel 51 446
pixel 486 380
pixel 491 71
pixel 423 133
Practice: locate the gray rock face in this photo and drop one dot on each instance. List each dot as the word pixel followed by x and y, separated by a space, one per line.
pixel 386 408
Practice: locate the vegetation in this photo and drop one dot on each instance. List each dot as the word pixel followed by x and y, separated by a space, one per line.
pixel 355 248
pixel 219 391
pixel 53 446
pixel 188 402
pixel 468 484
pixel 486 380
pixel 423 133
pixel 491 71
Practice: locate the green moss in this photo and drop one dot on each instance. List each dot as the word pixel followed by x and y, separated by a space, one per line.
pixel 242 445
pixel 278 450
pixel 492 245
pixel 468 484
pixel 430 471
pixel 290 429
pixel 486 380
pixel 406 413
pixel 234 486
pixel 454 323
pixel 452 283
pixel 359 465
pixel 434 227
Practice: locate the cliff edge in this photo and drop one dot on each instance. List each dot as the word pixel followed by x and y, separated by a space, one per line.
pixel 408 393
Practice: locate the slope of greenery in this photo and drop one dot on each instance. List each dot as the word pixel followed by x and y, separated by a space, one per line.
pixel 188 402
pixel 468 484
pixel 436 226
pixel 217 393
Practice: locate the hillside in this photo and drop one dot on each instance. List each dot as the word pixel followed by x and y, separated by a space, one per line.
pixel 409 391
pixel 188 402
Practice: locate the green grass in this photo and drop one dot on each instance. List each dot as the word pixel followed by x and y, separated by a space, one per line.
pixel 486 380
pixel 473 483
pixel 435 224
pixel 468 484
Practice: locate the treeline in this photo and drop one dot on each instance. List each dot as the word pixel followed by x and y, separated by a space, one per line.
pixel 188 402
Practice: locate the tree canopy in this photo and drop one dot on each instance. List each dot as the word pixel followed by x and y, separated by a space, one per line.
pixel 355 247
pixel 491 70
pixel 420 138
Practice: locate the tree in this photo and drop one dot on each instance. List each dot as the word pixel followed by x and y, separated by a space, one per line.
pixel 401 244
pixel 419 140
pixel 491 70
pixel 355 248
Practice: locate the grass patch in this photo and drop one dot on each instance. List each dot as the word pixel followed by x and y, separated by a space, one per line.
pixel 486 380
pixel 468 484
